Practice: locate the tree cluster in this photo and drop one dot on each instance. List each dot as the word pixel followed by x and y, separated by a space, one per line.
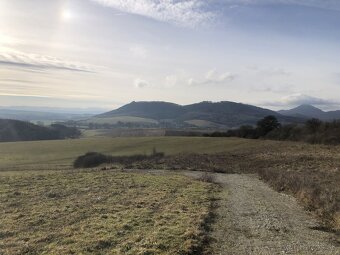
pixel 15 130
pixel 312 131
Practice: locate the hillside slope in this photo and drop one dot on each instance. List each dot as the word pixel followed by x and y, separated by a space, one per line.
pixel 15 130
pixel 26 115
pixel 149 110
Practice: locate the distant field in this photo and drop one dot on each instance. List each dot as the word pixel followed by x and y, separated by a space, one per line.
pixel 309 172
pixel 101 212
pixel 117 132
pixel 204 124
pixel 115 120
pixel 61 153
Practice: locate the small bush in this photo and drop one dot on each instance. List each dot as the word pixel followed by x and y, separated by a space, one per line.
pixel 90 159
pixel 94 159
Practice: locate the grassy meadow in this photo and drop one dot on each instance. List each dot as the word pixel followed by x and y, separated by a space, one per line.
pixel 45 211
pixel 60 154
pixel 101 212
pixel 116 120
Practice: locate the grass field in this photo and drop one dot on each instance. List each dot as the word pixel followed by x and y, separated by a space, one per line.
pixel 309 172
pixel 115 120
pixel 101 212
pixel 156 132
pixel 204 124
pixel 61 153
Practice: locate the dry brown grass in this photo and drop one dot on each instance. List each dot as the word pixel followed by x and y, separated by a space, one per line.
pixel 102 212
pixel 310 172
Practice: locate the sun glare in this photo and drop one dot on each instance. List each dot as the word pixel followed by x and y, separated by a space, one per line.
pixel 66 15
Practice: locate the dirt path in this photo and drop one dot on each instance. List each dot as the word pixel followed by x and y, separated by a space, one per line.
pixel 254 219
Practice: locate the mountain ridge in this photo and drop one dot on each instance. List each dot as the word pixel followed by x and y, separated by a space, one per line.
pixel 29 115
pixel 226 113
pixel 310 111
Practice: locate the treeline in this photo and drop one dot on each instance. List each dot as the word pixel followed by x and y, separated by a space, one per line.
pixel 170 124
pixel 15 130
pixel 312 131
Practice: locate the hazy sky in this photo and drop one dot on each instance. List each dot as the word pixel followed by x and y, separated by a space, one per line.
pixel 105 53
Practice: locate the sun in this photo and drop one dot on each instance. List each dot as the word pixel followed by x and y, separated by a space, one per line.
pixel 66 15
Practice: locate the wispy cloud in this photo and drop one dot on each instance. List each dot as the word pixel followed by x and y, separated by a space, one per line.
pixel 300 99
pixel 188 13
pixel 323 4
pixel 12 58
pixel 139 83
pixel 213 78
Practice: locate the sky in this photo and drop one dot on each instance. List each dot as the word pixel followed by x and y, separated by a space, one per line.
pixel 105 53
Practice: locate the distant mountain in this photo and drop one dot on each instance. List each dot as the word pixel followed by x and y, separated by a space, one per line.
pixel 221 114
pixel 60 110
pixel 15 130
pixel 26 115
pixel 304 110
pixel 149 110
pixel 309 111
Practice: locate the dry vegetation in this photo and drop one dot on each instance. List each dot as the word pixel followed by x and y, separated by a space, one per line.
pixel 102 212
pixel 42 155
pixel 309 172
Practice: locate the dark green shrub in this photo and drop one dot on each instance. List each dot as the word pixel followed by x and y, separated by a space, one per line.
pixel 94 159
pixel 90 159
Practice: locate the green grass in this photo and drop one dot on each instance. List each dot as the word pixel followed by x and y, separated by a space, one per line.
pixel 115 120
pixel 95 132
pixel 203 123
pixel 60 154
pixel 101 212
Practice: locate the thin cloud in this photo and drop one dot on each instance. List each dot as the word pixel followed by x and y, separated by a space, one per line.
pixel 322 4
pixel 213 78
pixel 187 13
pixel 139 83
pixel 11 58
pixel 300 99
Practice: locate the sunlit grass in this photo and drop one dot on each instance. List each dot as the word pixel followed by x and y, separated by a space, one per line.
pixel 102 212
pixel 60 154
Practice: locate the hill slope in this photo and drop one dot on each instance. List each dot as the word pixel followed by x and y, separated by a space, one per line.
pixel 15 130
pixel 227 114
pixel 25 115
pixel 149 110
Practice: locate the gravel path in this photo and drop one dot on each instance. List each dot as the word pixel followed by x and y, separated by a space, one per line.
pixel 254 219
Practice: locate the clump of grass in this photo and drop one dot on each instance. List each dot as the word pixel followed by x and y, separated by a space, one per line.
pixel 317 191
pixel 207 177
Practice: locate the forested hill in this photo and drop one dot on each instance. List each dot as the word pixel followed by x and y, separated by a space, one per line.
pixel 15 130
pixel 229 114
